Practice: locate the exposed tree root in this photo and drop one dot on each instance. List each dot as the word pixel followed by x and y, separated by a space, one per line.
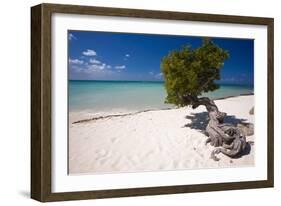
pixel 228 138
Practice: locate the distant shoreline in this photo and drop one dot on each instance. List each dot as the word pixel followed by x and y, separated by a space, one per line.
pixel 142 111
pixel 240 95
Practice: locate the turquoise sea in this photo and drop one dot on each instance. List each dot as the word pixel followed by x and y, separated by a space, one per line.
pixel 120 96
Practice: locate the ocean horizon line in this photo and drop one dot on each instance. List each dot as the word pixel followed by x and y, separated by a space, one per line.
pixel 93 80
pixel 150 81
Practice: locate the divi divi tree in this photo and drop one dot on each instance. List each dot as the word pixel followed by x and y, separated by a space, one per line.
pixel 190 72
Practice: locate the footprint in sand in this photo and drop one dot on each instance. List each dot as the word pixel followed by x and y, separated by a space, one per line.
pixel 103 161
pixel 133 159
pixel 194 163
pixel 117 163
pixel 161 167
pixel 160 148
pixel 186 163
pixel 147 154
pixel 200 154
pixel 114 140
pixel 175 164
pixel 101 153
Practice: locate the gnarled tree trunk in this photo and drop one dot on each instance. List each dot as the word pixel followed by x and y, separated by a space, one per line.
pixel 228 139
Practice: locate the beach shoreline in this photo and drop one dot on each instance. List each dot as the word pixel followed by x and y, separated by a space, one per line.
pixel 152 140
pixel 94 115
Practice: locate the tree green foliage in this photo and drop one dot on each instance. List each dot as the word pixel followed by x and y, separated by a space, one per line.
pixel 189 72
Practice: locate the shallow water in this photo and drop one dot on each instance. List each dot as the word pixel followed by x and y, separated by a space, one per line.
pixel 108 96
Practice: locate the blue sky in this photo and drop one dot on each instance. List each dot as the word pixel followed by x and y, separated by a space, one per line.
pixel 123 56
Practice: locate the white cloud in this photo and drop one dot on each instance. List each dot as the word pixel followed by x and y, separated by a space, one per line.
pixel 151 73
pixel 126 57
pixel 71 37
pixel 88 69
pixel 96 64
pixel 158 76
pixel 74 68
pixel 95 67
pixel 76 61
pixel 89 52
pixel 94 61
pixel 120 67
pixel 93 73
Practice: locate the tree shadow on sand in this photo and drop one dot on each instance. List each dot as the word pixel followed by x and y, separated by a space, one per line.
pixel 199 121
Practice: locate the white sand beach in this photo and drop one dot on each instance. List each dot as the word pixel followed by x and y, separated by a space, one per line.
pixel 153 140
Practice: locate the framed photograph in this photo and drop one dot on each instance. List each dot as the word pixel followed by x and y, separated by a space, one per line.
pixel 130 102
